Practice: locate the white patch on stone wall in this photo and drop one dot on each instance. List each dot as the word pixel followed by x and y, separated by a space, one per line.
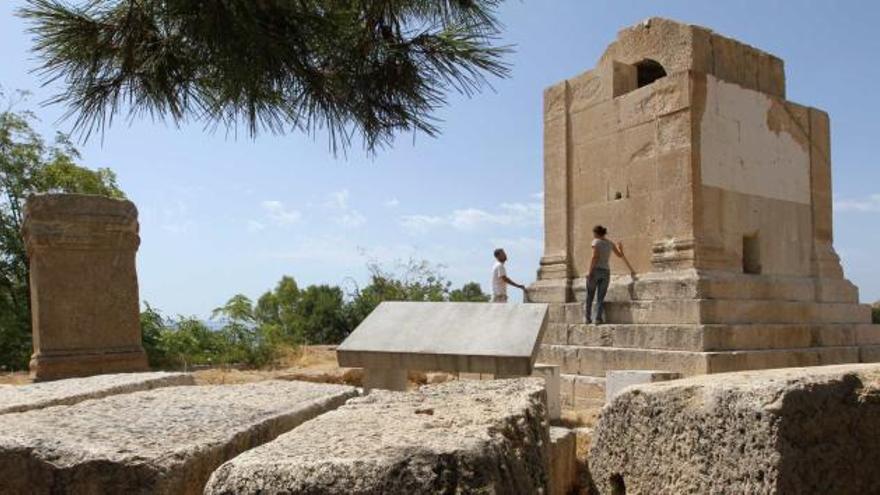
pixel 739 152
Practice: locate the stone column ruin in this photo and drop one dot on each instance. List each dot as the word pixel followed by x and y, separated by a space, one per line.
pixel 83 285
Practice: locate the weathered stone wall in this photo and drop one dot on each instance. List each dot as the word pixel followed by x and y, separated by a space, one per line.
pixel 798 430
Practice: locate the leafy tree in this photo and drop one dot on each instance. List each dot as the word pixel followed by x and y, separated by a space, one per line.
pixel 875 313
pixel 152 327
pixel 353 67
pixel 279 307
pixel 413 281
pixel 27 166
pixel 321 315
pixel 469 292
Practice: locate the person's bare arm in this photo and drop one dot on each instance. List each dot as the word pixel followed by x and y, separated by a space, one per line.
pixel 618 251
pixel 511 282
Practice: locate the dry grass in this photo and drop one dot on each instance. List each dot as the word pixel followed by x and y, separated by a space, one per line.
pixel 579 418
pixel 293 362
pixel 18 378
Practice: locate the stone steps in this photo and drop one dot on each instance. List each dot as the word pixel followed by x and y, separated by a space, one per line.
pixel 713 337
pixel 707 311
pixel 595 361
pixel 689 285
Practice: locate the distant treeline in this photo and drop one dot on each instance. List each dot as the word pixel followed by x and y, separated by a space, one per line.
pixel 263 333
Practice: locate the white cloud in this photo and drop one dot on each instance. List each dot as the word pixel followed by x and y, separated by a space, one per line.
pixel 508 214
pixel 871 204
pixel 392 203
pixel 175 217
pixel 420 223
pixel 339 199
pixel 279 214
pixel 345 214
pixel 254 226
pixel 351 218
pixel 178 227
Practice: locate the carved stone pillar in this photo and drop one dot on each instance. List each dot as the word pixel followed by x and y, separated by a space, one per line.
pixel 84 289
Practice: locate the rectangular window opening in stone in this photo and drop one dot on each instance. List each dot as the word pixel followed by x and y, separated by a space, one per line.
pixel 751 257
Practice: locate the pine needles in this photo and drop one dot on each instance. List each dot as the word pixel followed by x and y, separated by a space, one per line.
pixel 367 68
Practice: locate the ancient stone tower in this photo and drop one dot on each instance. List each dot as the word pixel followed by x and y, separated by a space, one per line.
pixel 682 143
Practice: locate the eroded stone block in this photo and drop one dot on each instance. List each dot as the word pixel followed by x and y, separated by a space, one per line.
pixel 617 380
pixel 166 441
pixel 456 437
pixel 563 461
pixel 798 430
pixel 74 390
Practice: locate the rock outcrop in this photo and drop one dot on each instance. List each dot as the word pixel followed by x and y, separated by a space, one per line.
pixel 796 430
pixel 164 441
pixel 66 392
pixel 456 437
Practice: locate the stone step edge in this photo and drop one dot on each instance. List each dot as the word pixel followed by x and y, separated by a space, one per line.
pixel 702 337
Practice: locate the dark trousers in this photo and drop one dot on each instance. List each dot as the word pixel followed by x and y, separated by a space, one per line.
pixel 597 286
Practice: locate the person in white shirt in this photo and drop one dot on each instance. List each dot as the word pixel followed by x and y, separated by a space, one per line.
pixel 500 280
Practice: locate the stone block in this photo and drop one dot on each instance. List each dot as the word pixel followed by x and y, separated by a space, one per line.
pixel 589 392
pixel 616 381
pixel 386 379
pixel 167 440
pixel 494 338
pixel 553 383
pixel 801 430
pixel 83 282
pixel 73 390
pixel 556 333
pixel 456 437
pixel 566 390
pixel 771 75
pixel 563 461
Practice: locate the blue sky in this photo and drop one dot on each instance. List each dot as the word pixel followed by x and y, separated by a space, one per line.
pixel 221 215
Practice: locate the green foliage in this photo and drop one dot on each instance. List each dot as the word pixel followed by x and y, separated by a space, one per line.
pixel 27 166
pixel 469 292
pixel 875 313
pixel 370 68
pixel 283 318
pixel 321 316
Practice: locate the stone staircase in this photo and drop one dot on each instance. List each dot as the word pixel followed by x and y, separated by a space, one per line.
pixel 754 334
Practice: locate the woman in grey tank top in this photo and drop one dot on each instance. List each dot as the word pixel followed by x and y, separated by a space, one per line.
pixel 600 273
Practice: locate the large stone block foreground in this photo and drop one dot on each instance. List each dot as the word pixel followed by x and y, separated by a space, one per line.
pixel 74 390
pixel 457 437
pixel 796 430
pixel 159 441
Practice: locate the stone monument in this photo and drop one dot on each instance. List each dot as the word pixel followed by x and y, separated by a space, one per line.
pixel 83 283
pixel 682 144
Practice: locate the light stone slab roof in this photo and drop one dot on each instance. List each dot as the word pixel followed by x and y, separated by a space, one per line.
pixel 72 390
pixel 492 338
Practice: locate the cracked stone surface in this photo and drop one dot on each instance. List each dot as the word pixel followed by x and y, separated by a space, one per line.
pixel 456 437
pixel 793 430
pixel 167 440
pixel 72 390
